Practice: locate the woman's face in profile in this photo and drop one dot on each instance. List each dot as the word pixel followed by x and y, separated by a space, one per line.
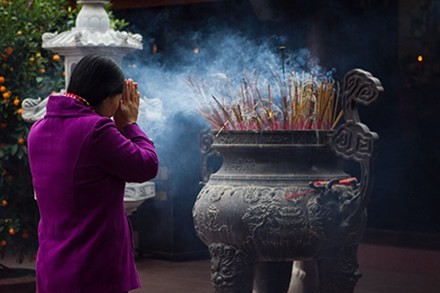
pixel 109 106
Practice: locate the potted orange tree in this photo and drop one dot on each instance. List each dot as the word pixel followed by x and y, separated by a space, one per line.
pixel 25 71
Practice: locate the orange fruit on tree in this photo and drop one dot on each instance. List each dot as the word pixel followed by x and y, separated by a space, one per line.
pixel 17 102
pixel 20 111
pixel 9 51
pixel 3 243
pixel 4 202
pixel 2 89
pixel 42 70
pixel 20 140
pixel 12 231
pixel 2 79
pixel 56 58
pixel 6 95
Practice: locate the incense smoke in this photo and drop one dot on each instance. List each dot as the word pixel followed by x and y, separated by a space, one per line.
pixel 169 111
pixel 220 61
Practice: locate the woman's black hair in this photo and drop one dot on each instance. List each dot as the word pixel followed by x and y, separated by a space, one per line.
pixel 95 78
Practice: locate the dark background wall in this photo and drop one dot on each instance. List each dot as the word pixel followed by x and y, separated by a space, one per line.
pixel 383 37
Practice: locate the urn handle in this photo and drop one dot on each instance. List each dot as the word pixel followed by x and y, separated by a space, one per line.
pixel 353 140
pixel 206 140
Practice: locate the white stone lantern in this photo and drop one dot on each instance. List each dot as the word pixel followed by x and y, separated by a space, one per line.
pixel 92 34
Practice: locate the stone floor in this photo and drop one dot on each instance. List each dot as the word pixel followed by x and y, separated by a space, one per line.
pixel 387 267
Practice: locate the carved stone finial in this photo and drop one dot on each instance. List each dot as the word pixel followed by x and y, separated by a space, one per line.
pixel 93 16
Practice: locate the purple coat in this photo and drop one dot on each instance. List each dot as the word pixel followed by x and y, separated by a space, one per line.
pixel 80 163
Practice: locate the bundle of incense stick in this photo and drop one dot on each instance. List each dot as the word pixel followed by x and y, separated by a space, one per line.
pixel 304 103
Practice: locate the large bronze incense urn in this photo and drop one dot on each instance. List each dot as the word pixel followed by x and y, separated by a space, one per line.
pixel 281 196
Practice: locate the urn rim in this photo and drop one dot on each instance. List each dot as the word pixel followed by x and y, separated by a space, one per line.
pixel 265 138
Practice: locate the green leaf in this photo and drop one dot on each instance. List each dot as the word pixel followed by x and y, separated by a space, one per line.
pixel 20 153
pixel 14 149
